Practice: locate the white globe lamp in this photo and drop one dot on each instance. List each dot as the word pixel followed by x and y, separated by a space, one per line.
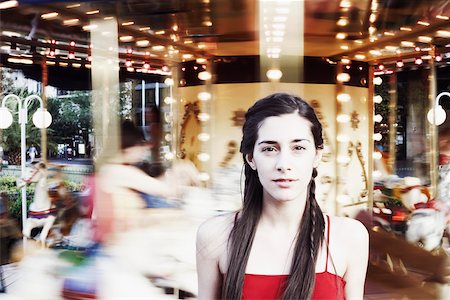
pixel 6 118
pixel 42 118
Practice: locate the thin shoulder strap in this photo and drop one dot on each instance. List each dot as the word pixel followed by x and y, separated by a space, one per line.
pixel 328 242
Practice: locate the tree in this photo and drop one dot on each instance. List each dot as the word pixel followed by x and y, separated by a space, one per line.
pixel 71 114
pixel 11 137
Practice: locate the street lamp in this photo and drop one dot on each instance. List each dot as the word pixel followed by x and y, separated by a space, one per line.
pixel 437 114
pixel 41 119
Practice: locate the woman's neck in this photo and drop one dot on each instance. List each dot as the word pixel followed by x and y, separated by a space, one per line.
pixel 286 214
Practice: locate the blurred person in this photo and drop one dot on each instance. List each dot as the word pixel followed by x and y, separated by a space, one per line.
pixel 280 244
pixel 32 152
pixel 129 226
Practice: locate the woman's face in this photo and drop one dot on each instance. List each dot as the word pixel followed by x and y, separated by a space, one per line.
pixel 284 157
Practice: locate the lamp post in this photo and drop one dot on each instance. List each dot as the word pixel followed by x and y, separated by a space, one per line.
pixel 437 114
pixel 41 119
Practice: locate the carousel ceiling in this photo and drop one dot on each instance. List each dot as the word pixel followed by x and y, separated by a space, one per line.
pixel 163 32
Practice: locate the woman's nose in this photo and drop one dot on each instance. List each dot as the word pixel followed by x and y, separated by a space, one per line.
pixel 283 162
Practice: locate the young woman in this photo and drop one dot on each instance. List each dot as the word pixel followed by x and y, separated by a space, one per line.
pixel 280 245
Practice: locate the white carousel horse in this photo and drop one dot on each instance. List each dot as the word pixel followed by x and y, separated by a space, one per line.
pixel 42 213
pixel 426 224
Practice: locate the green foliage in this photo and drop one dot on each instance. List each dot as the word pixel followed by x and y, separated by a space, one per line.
pixel 71 114
pixel 8 185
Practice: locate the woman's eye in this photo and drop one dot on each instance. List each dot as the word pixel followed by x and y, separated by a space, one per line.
pixel 299 148
pixel 269 149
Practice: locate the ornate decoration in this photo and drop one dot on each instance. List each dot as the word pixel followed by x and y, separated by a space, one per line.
pixel 238 117
pixel 232 149
pixel 354 120
pixel 190 109
pixel 358 148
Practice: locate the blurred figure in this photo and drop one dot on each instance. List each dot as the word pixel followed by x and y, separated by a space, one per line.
pixel 32 152
pixel 9 230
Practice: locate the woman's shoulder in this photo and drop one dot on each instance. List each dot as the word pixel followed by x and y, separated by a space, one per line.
pixel 349 230
pixel 217 226
pixel 213 233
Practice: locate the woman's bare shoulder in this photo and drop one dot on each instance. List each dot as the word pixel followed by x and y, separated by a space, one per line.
pixel 349 230
pixel 212 235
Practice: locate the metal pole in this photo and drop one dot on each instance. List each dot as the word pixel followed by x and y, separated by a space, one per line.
pixel 22 116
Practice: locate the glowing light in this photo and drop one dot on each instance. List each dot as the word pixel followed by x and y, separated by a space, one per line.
pixel 377 136
pixel 377 99
pixel 343 118
pixel 169 81
pixel 49 15
pixel 378 118
pixel 343 77
pixel 377 81
pixel 274 74
pixel 204 96
pixel 205 75
pixel 343 97
pixel 438 116
pixel 204 137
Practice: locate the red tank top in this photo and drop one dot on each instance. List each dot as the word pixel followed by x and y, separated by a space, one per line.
pixel 327 286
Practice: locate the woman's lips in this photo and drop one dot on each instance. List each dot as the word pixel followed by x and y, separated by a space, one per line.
pixel 284 182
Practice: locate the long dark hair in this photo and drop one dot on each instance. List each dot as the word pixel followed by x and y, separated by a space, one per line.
pixel 300 283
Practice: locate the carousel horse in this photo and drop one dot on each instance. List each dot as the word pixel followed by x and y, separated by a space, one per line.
pixel 426 223
pixel 42 212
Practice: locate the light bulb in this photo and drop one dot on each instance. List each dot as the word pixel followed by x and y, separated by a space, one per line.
pixel 436 116
pixel 42 118
pixel 343 97
pixel 377 118
pixel 205 75
pixel 377 99
pixel 274 74
pixel 377 136
pixel 204 96
pixel 377 81
pixel 6 118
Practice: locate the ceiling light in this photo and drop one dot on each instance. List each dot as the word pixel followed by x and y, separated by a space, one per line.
pixel 342 22
pixel 92 12
pixel 418 61
pixel 380 67
pixel 344 47
pixel 372 18
pixel 142 43
pixel 405 29
pixel 375 52
pixel 108 18
pixel 71 22
pixel 443 33
pixel 442 17
pixel 175 27
pixel 372 30
pixel 400 64
pixel 160 32
pixel 359 41
pixel 127 23
pixel 407 44
pixel 360 56
pixel 425 39
pixel 158 48
pixel 49 15
pixel 126 38
pixel 73 5
pixel 424 23
pixel 144 28
pixel 438 58
pixel 8 4
pixel 341 36
pixel 207 23
pixel 391 48
pixel 389 33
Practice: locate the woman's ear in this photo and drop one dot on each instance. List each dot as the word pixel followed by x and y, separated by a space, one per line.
pixel 317 158
pixel 249 159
